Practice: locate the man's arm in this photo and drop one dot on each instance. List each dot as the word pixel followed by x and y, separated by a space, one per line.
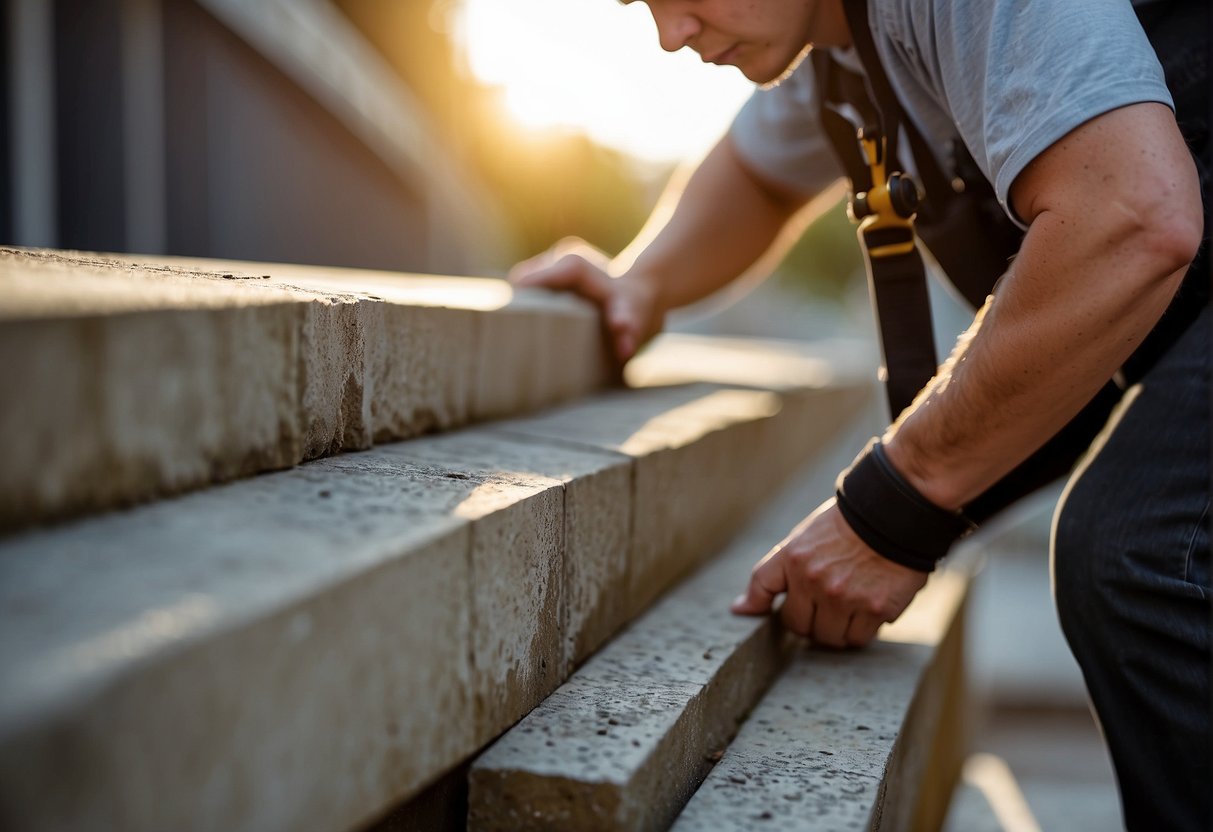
pixel 1114 219
pixel 702 236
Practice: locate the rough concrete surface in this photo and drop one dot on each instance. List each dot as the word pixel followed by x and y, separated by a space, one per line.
pixel 596 519
pixel 173 381
pixel 124 624
pixel 701 467
pixel 320 624
pixel 847 739
pixel 137 377
pixel 624 743
pixel 529 349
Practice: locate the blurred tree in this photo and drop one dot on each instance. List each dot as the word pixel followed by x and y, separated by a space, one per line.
pixel 826 259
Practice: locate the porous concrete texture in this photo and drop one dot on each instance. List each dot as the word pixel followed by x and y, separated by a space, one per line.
pixel 212 661
pixel 597 519
pixel 279 653
pixel 97 405
pixel 624 743
pixel 313 661
pixel 705 458
pixel 850 740
pixel 529 349
pixel 136 377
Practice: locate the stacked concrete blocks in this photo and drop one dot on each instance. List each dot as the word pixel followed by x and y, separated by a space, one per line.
pixel 625 742
pixel 853 740
pixel 313 646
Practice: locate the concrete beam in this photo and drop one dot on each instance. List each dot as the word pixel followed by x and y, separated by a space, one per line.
pixel 697 482
pixel 132 379
pixel 625 742
pixel 868 739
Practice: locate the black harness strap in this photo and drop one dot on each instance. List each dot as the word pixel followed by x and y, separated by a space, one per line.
pixel 965 228
pixel 896 275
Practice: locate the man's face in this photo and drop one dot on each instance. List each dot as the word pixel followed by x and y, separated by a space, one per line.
pixel 762 38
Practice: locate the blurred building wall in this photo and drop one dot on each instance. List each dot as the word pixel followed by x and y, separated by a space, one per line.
pixel 266 131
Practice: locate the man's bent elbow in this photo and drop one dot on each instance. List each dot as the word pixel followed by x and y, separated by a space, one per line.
pixel 1173 228
pixel 1174 236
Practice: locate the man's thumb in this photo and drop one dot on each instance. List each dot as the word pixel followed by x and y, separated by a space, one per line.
pixel 624 323
pixel 766 582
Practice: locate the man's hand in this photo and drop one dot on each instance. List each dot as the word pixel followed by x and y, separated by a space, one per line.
pixel 839 591
pixel 629 304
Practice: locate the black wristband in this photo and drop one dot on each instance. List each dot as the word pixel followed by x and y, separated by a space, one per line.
pixel 889 514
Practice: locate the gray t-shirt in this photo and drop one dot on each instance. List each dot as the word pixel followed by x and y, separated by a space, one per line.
pixel 1008 77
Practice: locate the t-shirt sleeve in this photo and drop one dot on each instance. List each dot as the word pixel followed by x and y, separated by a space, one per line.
pixel 778 135
pixel 1018 76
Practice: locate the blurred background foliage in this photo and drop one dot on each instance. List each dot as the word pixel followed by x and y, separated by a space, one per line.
pixel 557 184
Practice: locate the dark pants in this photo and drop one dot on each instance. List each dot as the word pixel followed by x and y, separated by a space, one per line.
pixel 1131 536
pixel 1131 576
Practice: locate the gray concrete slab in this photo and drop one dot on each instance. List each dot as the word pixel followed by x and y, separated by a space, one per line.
pixel 597 518
pixel 528 349
pixel 211 662
pixel 206 662
pixel 623 744
pixel 845 739
pixel 170 380
pixel 137 377
pixel 304 634
pixel 696 479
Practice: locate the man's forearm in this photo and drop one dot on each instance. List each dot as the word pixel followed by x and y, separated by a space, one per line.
pixel 1095 273
pixel 723 221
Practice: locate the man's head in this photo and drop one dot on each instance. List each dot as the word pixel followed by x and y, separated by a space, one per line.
pixel 762 38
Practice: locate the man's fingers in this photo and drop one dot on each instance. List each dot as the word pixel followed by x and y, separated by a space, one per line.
pixel 570 272
pixel 626 324
pixel 766 581
pixel 798 614
pixel 830 624
pixel 862 629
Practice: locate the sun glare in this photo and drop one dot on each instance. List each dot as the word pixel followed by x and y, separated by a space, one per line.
pixel 595 66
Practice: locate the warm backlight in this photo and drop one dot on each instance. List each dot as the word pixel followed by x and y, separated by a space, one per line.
pixel 595 66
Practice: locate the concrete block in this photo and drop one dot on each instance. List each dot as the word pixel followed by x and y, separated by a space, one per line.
pixel 420 368
pixel 556 772
pixel 529 348
pixel 597 489
pixel 515 599
pixel 692 447
pixel 624 743
pixel 123 384
pixel 851 740
pixel 335 412
pixel 295 650
pixel 136 377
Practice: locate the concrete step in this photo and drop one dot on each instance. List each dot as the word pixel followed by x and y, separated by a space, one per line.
pixel 132 378
pixel 307 648
pixel 626 741
pixel 870 739
pixel 623 743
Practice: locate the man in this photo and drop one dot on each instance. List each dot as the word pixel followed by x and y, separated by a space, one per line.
pixel 1066 110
